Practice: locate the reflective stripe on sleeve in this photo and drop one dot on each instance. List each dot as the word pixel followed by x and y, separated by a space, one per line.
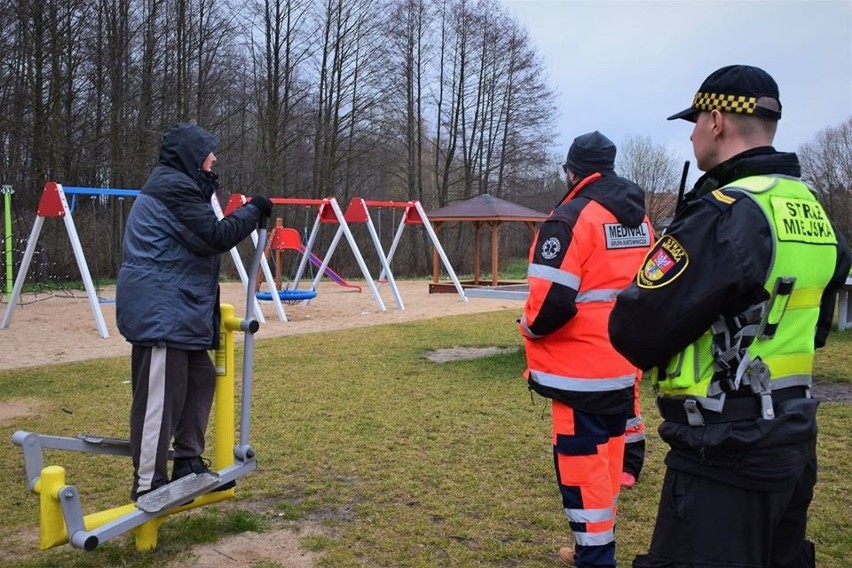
pixel 555 275
pixel 601 295
pixel 527 330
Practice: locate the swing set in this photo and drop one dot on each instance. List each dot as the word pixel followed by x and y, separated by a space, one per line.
pixel 328 213
pixel 358 212
pixel 281 240
pixel 412 213
pixel 53 203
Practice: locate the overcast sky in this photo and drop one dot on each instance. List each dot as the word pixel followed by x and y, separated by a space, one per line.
pixel 623 66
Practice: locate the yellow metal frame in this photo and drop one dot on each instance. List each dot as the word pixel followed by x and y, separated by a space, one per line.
pixel 51 484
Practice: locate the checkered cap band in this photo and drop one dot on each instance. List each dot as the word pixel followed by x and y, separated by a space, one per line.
pixel 739 104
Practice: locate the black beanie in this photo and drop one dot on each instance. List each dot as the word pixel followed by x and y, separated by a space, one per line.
pixel 590 153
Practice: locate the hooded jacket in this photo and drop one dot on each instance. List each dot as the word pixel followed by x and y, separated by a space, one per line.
pixel 168 284
pixel 584 254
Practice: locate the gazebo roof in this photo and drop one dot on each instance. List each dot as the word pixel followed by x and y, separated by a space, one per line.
pixel 485 208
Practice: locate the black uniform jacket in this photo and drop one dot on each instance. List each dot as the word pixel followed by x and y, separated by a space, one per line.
pixel 728 249
pixel 729 253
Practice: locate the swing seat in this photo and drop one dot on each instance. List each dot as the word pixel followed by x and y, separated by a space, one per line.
pixel 288 295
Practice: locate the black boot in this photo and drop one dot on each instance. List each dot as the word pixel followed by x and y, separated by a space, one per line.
pixel 197 465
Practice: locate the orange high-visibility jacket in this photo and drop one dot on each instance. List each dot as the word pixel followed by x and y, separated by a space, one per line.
pixel 585 253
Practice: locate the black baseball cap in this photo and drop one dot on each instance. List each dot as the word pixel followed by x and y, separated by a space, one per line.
pixel 735 89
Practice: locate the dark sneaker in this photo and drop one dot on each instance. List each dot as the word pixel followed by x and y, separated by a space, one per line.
pixel 197 465
pixel 136 494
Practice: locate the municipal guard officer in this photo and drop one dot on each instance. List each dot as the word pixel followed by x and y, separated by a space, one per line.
pixel 587 251
pixel 726 312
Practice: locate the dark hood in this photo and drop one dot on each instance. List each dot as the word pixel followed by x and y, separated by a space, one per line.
pixel 619 196
pixel 184 148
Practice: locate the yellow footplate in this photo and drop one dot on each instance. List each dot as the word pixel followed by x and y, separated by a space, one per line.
pixel 177 492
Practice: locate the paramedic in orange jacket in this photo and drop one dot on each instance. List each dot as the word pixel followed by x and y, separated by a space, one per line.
pixel 584 254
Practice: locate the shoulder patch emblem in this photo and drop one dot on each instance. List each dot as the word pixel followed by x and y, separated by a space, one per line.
pixel 666 261
pixel 550 248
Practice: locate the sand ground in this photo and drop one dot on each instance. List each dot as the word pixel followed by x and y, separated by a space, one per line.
pixel 63 329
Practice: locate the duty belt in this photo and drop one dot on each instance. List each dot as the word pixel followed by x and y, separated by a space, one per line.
pixel 689 411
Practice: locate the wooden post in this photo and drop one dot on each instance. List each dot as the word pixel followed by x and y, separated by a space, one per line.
pixel 476 246
pixel 435 270
pixel 495 246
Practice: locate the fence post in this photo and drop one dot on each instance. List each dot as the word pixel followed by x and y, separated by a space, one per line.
pixel 7 192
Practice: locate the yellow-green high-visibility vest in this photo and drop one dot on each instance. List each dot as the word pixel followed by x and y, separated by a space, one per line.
pixel 803 262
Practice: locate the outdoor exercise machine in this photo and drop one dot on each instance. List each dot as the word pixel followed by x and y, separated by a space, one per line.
pixel 60 507
pixel 358 211
pixel 54 204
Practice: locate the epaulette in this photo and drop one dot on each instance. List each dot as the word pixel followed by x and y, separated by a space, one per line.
pixel 724 197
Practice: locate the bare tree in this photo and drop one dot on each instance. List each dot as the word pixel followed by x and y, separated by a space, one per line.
pixel 827 167
pixel 388 99
pixel 455 48
pixel 655 170
pixel 527 113
pixel 344 96
pixel 495 112
pixel 281 48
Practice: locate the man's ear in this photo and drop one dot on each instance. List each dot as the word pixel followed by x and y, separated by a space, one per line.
pixel 717 122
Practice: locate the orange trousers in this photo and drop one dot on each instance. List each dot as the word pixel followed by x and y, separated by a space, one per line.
pixel 588 451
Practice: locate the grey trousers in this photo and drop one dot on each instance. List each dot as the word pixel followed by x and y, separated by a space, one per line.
pixel 172 396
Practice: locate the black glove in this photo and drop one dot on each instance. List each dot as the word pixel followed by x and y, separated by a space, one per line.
pixel 263 204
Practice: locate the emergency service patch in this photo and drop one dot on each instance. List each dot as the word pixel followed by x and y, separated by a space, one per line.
pixel 802 221
pixel 618 236
pixel 666 261
pixel 550 248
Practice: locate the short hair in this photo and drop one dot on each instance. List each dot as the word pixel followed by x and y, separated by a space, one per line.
pixel 750 126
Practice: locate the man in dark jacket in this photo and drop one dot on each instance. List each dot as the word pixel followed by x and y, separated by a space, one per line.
pixel 586 251
pixel 167 303
pixel 726 313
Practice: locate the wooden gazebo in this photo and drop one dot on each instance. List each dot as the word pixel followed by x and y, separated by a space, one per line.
pixel 479 211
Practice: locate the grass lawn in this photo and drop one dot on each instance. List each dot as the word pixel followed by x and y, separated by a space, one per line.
pixel 404 462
